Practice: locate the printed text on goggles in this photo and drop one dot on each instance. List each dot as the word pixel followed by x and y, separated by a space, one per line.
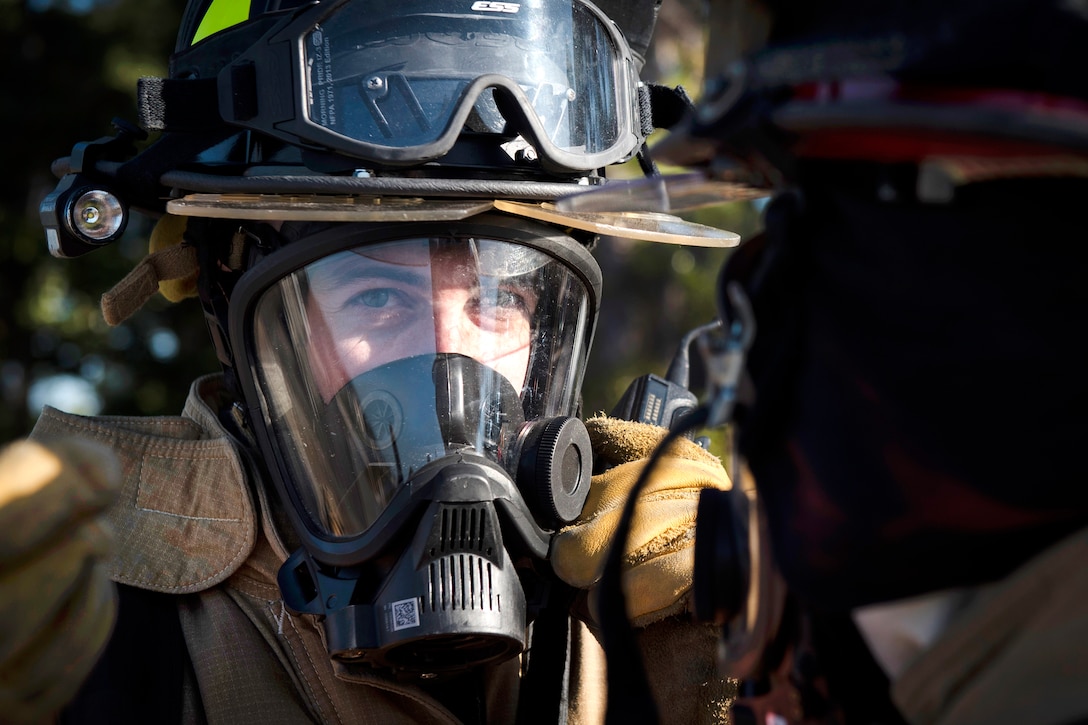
pixel 397 85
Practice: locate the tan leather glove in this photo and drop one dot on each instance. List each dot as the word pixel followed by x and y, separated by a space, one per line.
pixel 57 606
pixel 660 556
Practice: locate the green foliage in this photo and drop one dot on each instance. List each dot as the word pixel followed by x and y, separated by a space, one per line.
pixel 65 75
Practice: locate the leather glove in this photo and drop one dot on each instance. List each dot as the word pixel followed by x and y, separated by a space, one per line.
pixel 58 605
pixel 660 555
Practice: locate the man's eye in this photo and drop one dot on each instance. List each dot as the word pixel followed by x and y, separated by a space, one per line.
pixel 373 298
pixel 506 300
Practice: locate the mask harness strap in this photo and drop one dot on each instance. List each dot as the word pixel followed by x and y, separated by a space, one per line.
pixel 543 693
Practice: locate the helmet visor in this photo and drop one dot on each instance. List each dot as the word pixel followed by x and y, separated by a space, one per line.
pixel 375 360
pixel 399 84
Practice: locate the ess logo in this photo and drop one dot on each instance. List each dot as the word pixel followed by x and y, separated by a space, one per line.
pixel 491 6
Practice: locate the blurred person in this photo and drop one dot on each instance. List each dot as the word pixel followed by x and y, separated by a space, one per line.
pixel 914 408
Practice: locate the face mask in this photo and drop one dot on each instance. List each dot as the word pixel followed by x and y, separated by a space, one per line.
pixel 413 397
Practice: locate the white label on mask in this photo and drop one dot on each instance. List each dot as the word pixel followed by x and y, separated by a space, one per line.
pixel 405 614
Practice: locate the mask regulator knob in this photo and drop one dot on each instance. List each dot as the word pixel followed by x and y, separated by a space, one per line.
pixel 555 468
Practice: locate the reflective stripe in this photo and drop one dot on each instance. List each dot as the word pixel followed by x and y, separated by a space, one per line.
pixel 221 15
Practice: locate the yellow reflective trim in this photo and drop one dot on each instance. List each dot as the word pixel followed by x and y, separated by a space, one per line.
pixel 221 15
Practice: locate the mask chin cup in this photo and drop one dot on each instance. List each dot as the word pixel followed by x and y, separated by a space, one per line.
pixel 452 599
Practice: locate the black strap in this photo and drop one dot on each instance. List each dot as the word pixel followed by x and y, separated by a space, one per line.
pixel 463 694
pixel 140 676
pixel 543 696
pixel 669 105
pixel 176 104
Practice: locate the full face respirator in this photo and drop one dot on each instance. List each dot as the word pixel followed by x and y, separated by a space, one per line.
pixel 411 389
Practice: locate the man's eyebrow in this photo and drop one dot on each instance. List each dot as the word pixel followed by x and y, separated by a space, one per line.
pixel 333 274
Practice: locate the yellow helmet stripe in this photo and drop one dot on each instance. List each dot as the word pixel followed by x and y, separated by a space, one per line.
pixel 221 14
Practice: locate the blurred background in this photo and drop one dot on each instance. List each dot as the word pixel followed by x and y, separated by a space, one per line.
pixel 70 66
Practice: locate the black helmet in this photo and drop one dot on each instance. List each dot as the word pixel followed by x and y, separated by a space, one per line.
pixel 428 98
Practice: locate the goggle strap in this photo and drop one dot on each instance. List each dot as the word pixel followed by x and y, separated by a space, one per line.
pixel 178 104
pixel 668 106
pixel 645 110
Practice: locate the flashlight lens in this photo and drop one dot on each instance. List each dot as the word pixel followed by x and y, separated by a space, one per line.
pixel 98 216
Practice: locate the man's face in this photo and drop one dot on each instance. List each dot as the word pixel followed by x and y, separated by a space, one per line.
pixel 378 304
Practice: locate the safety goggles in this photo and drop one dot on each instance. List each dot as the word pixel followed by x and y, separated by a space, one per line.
pixel 400 82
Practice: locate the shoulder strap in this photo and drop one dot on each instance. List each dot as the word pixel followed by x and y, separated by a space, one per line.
pixel 543 695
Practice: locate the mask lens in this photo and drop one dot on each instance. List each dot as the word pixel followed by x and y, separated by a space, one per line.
pixel 369 307
pixel 376 360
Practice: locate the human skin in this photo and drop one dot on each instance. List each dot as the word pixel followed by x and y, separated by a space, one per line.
pixel 368 308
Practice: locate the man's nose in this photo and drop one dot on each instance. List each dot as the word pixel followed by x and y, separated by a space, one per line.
pixel 453 331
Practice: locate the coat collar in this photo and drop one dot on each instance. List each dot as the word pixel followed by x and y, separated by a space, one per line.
pixel 185 519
